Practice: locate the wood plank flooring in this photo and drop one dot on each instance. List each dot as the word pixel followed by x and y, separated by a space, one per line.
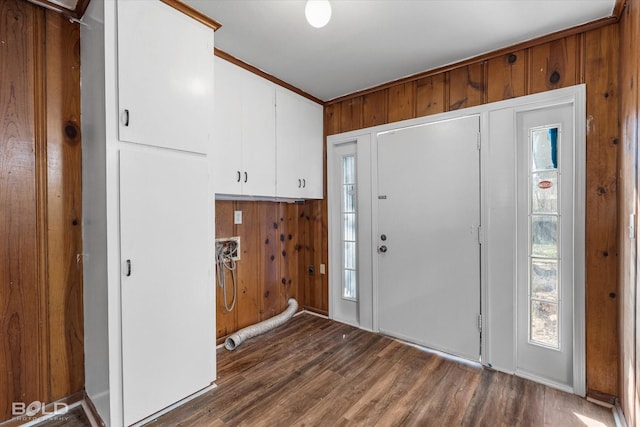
pixel 316 372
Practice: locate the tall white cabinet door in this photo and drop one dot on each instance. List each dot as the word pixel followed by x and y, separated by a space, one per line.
pixel 168 311
pixel 165 64
pixel 227 172
pixel 259 137
pixel 299 146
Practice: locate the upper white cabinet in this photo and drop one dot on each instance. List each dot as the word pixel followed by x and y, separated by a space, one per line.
pixel 268 139
pixel 299 146
pixel 245 142
pixel 164 77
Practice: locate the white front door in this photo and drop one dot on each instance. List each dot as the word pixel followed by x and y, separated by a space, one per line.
pixel 545 245
pixel 427 237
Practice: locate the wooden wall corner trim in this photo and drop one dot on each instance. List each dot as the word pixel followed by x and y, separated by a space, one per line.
pixel 193 13
pixel 618 8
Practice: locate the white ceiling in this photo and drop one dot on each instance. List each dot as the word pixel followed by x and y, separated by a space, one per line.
pixel 370 42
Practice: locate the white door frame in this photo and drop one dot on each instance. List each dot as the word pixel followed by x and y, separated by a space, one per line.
pixel 364 237
pixel 498 161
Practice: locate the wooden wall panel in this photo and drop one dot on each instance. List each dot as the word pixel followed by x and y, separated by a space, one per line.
pixel 628 187
pixel 402 102
pixel 66 343
pixel 351 114
pixel 316 252
pixel 21 292
pixel 272 237
pixel 374 108
pixel 601 74
pixel 466 86
pixel 507 76
pixel 332 119
pixel 41 317
pixel 250 280
pixel 430 97
pixel 268 271
pixel 553 65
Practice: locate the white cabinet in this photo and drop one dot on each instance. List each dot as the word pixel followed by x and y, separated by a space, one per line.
pixel 268 139
pixel 299 146
pixel 245 132
pixel 148 207
pixel 167 318
pixel 164 77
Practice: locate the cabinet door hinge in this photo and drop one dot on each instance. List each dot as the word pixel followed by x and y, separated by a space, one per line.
pixel 480 235
pixel 480 322
pixel 478 141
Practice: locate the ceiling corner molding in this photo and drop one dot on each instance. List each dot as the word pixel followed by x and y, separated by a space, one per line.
pixel 618 8
pixel 193 13
pixel 240 63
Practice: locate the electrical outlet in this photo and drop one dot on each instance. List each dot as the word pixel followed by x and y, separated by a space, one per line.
pixel 237 217
pixel 228 247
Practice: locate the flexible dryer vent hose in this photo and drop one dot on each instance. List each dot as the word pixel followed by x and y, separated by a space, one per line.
pixel 234 340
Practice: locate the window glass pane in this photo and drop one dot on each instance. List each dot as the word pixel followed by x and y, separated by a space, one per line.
pixel 544 149
pixel 350 255
pixel 349 170
pixel 544 279
pixel 349 198
pixel 349 227
pixel 544 192
pixel 349 288
pixel 544 323
pixel 544 236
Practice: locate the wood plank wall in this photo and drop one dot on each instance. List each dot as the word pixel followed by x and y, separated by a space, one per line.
pixel 589 57
pixel 628 190
pixel 278 244
pixel 41 332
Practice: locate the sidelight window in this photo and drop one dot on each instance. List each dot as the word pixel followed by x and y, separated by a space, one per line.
pixel 544 237
pixel 349 226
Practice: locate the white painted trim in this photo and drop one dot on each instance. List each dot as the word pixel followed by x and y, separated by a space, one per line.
pixel 618 415
pixel 549 383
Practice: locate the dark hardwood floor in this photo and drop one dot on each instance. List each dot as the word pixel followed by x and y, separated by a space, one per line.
pixel 316 372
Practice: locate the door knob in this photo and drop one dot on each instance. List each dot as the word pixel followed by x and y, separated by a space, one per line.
pixel 382 249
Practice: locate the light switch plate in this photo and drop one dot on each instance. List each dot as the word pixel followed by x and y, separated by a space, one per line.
pixel 323 269
pixel 237 217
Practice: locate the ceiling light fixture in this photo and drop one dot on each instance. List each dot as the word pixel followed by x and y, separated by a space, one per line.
pixel 318 12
